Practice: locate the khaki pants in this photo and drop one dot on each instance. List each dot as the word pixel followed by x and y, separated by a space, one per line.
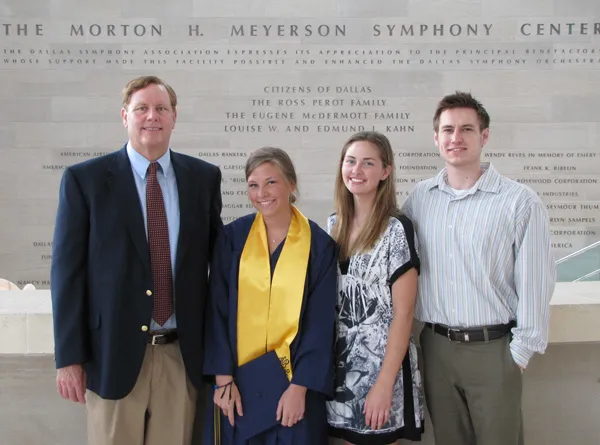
pixel 473 391
pixel 159 410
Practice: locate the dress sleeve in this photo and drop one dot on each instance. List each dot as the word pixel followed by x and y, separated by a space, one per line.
pixel 403 248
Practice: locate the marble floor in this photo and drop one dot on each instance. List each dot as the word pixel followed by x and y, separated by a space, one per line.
pixel 31 411
pixel 561 401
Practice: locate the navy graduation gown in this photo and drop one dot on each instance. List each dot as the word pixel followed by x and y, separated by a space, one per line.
pixel 312 350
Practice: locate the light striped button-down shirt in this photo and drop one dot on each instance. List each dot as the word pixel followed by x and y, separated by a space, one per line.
pixel 485 258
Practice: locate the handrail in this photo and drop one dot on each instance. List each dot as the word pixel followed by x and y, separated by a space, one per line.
pixel 587 276
pixel 571 255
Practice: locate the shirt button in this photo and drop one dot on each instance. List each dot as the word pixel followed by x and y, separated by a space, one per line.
pixel 144 328
pixel 149 292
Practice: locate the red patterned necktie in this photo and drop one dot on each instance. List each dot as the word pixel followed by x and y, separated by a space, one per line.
pixel 160 252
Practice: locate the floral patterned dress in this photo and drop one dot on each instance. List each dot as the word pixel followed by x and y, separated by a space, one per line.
pixel 364 316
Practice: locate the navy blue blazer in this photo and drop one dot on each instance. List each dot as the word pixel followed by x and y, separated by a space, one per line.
pixel 101 272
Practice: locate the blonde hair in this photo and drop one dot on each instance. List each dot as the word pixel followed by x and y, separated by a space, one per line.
pixel 281 160
pixel 385 200
pixel 139 83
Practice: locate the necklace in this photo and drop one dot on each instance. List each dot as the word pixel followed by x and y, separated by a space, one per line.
pixel 277 235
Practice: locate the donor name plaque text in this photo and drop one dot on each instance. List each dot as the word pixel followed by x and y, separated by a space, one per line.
pixel 246 80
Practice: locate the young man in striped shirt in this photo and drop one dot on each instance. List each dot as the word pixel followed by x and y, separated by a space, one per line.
pixel 487 276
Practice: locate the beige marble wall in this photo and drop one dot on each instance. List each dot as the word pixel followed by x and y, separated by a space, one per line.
pixel 302 75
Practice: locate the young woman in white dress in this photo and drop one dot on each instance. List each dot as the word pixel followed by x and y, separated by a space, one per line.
pixel 378 397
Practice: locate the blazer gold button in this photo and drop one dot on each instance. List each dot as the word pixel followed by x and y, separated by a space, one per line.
pixel 144 328
pixel 149 292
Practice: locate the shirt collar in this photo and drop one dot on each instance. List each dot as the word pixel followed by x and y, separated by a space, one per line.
pixel 488 182
pixel 140 163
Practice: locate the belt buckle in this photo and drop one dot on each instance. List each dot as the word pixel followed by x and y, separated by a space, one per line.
pixel 455 341
pixel 155 337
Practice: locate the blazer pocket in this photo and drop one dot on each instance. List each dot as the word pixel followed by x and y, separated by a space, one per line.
pixel 94 321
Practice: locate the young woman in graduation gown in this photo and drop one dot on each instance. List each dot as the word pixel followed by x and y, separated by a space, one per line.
pixel 271 317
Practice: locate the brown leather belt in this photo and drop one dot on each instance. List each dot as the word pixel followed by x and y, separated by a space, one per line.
pixel 162 338
pixel 467 335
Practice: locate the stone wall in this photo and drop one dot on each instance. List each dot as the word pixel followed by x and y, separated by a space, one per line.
pixel 302 75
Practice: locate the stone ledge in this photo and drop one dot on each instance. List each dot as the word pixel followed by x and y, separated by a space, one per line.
pixel 26 318
pixel 575 311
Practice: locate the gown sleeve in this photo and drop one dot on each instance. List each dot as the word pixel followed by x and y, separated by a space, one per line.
pixel 313 361
pixel 219 358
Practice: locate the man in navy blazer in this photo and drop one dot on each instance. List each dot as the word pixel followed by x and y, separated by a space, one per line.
pixel 141 372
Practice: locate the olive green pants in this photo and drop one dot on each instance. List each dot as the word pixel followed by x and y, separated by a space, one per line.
pixel 473 391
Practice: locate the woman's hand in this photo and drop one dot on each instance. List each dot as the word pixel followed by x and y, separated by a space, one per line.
pixel 290 409
pixel 228 398
pixel 378 405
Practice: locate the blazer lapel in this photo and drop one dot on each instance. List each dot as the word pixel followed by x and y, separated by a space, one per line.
pixel 188 198
pixel 125 195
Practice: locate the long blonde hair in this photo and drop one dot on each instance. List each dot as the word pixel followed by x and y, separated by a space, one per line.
pixel 385 200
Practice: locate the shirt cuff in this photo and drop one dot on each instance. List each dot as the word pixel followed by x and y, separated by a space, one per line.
pixel 520 354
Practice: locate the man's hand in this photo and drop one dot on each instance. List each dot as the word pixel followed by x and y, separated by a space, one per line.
pixel 290 409
pixel 70 382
